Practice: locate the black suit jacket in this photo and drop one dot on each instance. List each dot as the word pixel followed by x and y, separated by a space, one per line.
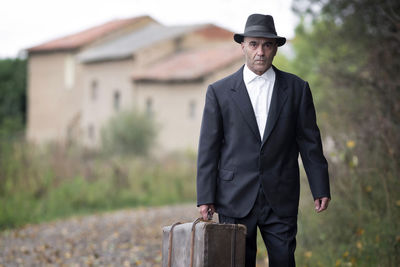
pixel 233 161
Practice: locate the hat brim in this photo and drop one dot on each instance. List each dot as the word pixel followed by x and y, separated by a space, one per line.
pixel 239 37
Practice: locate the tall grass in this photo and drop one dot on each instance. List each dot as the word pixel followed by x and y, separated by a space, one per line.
pixel 362 224
pixel 39 184
pixel 360 228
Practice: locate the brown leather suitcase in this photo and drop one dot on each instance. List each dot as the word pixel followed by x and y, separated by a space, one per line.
pixel 204 244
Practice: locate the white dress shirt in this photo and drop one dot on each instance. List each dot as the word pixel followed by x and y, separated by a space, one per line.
pixel 260 90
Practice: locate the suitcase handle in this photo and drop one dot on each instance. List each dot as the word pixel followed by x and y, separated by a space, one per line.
pixel 192 240
pixel 170 243
pixel 200 219
pixel 233 241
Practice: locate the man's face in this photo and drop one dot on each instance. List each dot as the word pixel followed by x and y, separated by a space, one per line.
pixel 259 53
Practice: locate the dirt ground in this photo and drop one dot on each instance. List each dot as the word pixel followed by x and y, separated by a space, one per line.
pixel 121 238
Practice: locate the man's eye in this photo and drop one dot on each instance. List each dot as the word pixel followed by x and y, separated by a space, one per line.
pixel 253 44
pixel 268 45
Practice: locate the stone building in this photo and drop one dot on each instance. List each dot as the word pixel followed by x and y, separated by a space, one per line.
pixel 78 82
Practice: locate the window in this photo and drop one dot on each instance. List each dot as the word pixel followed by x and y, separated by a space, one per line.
pixel 117 100
pixel 192 109
pixel 149 106
pixel 94 90
pixel 178 43
pixel 91 132
pixel 69 72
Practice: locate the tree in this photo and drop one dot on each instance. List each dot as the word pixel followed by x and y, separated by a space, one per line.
pixel 357 42
pixel 12 96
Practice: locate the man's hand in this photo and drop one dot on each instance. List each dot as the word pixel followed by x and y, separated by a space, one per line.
pixel 203 209
pixel 321 204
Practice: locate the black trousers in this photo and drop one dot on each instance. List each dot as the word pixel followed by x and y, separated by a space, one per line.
pixel 279 234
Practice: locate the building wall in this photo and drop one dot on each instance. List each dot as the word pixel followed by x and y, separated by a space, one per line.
pixel 106 90
pixel 177 109
pixel 53 96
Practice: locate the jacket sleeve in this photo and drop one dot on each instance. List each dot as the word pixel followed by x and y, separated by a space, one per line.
pixel 211 138
pixel 310 146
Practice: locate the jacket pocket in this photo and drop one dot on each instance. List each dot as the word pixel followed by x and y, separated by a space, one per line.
pixel 226 175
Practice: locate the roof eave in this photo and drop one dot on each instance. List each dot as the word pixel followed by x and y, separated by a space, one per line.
pixel 106 59
pixel 198 79
pixel 50 51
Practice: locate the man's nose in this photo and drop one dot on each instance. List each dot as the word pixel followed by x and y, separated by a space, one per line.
pixel 260 50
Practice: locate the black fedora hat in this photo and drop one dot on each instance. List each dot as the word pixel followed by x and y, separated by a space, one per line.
pixel 258 25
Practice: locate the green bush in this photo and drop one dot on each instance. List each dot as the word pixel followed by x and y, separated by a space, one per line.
pixel 129 132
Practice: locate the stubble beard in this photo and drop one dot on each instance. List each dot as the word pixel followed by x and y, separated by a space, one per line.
pixel 260 66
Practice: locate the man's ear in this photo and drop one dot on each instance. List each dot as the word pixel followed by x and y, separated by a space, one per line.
pixel 276 49
pixel 242 45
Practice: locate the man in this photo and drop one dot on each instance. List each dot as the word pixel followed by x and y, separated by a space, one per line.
pixel 255 123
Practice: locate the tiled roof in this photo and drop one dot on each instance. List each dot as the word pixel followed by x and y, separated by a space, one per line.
pixel 85 37
pixel 126 45
pixel 211 31
pixel 191 65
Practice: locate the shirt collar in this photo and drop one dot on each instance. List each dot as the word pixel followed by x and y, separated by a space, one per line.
pixel 249 76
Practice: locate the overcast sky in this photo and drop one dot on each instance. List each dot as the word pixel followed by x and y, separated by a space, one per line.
pixel 25 23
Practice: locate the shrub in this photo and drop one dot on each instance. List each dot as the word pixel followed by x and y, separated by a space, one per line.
pixel 129 132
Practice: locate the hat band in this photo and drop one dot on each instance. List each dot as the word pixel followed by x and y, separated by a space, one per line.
pixel 259 28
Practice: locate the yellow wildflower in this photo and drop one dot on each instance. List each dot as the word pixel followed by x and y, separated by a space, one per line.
pixel 398 203
pixel 368 189
pixel 338 262
pixel 359 245
pixel 360 231
pixel 308 254
pixel 346 254
pixel 350 144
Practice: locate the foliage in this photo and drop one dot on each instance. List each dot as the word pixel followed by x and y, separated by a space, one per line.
pixel 12 96
pixel 129 132
pixel 38 184
pixel 348 51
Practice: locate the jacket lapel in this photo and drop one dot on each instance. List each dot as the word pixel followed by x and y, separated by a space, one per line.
pixel 241 98
pixel 279 96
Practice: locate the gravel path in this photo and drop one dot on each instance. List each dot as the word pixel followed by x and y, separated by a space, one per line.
pixel 121 238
